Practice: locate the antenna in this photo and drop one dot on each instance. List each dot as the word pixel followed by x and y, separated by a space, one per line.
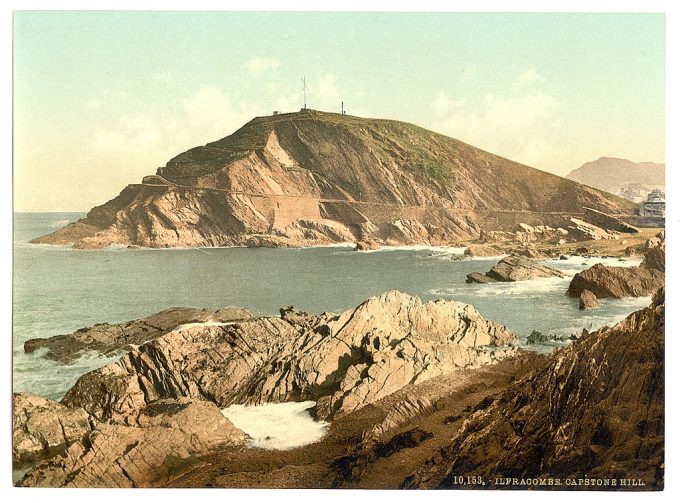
pixel 342 107
pixel 304 92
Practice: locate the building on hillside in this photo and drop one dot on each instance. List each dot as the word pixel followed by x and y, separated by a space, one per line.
pixel 654 206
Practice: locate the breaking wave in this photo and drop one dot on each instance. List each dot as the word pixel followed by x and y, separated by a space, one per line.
pixel 277 426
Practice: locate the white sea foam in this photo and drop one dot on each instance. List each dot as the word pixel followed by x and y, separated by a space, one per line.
pixel 492 258
pixel 529 288
pixel 579 263
pixel 277 425
pixel 444 250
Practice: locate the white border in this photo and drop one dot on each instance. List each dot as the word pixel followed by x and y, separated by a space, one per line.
pixel 672 160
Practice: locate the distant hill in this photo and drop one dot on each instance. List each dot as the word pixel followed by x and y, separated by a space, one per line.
pixel 614 175
pixel 315 177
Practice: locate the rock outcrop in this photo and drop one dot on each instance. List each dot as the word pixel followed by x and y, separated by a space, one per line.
pixel 41 427
pixel 481 250
pixel 584 231
pixel 165 434
pixel 341 361
pixel 595 409
pixel 313 178
pixel 619 282
pixel 113 338
pixel 608 222
pixel 587 300
pixel 515 268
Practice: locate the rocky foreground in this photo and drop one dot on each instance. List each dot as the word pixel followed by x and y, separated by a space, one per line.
pixel 407 385
pixel 132 413
pixel 591 411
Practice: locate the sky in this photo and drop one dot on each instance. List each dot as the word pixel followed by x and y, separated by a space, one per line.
pixel 103 98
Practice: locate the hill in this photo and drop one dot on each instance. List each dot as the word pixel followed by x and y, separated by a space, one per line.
pixel 314 177
pixel 617 175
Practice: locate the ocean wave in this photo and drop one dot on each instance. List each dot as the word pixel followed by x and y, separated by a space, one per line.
pixel 528 288
pixel 278 426
pixel 580 263
pixel 444 250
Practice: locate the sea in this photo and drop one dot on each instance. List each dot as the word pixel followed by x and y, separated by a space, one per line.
pixel 58 290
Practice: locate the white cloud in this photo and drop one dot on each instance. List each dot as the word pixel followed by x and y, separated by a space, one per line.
pixel 525 124
pixel 261 64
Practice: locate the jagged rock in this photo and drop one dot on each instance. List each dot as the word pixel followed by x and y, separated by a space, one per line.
pixel 477 250
pixel 519 268
pixel 582 250
pixel 526 228
pixel 618 282
pixel 608 222
pixel 652 243
pixel 595 408
pixel 478 277
pixel 112 338
pixel 587 300
pixel 165 433
pixel 529 252
pixel 655 258
pixel 367 245
pixel 630 251
pixel 41 427
pixel 536 337
pixel 583 231
pixel 400 414
pixel 342 361
pixel 514 268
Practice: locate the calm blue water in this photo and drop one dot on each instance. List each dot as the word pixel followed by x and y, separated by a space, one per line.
pixel 58 290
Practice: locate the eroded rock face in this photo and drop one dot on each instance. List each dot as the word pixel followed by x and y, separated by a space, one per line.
pixel 111 338
pixel 655 258
pixel 595 407
pixel 341 361
pixel 41 426
pixel 515 268
pixel 114 455
pixel 619 282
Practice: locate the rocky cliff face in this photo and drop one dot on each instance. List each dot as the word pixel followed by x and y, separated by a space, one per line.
pixel 342 361
pixel 312 178
pixel 593 408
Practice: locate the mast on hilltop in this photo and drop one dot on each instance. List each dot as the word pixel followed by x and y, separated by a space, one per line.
pixel 304 93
